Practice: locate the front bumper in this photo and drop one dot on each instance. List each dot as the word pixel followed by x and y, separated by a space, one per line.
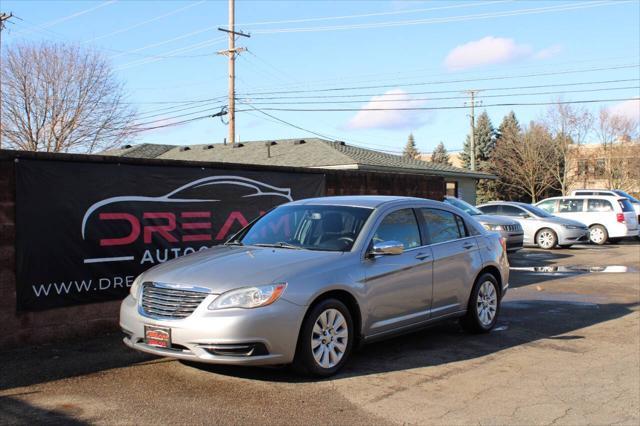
pixel 274 327
pixel 573 236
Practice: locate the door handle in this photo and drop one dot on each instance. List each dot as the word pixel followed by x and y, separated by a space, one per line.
pixel 422 256
pixel 467 246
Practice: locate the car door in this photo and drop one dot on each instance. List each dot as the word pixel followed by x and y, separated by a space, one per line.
pixel 399 287
pixel 600 211
pixel 571 208
pixel 456 260
pixel 529 224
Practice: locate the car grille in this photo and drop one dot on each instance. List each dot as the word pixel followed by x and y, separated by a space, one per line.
pixel 512 228
pixel 169 302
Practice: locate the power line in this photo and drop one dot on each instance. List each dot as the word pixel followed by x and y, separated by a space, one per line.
pixel 585 101
pixel 68 17
pixel 462 18
pixel 503 77
pixel 369 15
pixel 385 99
pixel 148 21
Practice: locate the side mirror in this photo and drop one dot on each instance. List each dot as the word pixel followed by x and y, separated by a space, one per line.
pixel 524 215
pixel 388 247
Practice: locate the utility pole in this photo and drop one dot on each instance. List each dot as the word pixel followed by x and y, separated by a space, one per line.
pixel 231 54
pixel 472 136
pixel 3 17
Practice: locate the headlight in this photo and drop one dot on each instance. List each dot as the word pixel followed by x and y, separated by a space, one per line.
pixel 491 227
pixel 135 287
pixel 573 227
pixel 249 297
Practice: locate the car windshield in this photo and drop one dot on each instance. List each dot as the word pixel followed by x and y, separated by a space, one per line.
pixel 464 206
pixel 535 210
pixel 627 196
pixel 327 228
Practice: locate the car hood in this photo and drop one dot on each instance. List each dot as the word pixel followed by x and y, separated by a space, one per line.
pixel 494 219
pixel 224 268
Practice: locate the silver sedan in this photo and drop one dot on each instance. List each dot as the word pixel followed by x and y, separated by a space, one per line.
pixel 507 228
pixel 540 228
pixel 307 282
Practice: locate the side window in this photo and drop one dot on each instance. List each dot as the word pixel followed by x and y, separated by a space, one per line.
pixel 511 211
pixel 400 225
pixel 490 209
pixel 599 206
pixel 570 205
pixel 584 193
pixel 442 225
pixel 549 206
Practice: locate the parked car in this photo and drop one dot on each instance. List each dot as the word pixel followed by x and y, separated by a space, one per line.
pixel 309 280
pixel 541 229
pixel 509 229
pixel 613 192
pixel 609 218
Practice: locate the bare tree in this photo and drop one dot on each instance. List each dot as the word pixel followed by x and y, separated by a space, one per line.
pixel 569 127
pixel 523 161
pixel 619 150
pixel 61 98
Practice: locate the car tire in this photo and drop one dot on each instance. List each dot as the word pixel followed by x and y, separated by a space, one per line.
pixel 484 305
pixel 546 238
pixel 598 234
pixel 328 326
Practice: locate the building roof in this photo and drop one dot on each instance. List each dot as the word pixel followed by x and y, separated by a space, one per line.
pixel 312 153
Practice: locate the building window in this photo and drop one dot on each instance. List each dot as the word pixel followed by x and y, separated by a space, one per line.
pixel 599 170
pixel 582 167
pixel 451 189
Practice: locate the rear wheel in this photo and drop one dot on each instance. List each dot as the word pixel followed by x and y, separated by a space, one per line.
pixel 484 305
pixel 598 234
pixel 325 339
pixel 546 239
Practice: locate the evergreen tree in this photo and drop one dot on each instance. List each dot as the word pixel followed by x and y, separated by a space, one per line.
pixel 440 155
pixel 509 135
pixel 485 141
pixel 410 149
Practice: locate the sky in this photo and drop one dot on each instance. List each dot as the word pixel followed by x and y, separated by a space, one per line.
pixel 351 56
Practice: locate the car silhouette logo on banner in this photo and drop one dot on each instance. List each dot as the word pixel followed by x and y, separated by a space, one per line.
pixel 181 216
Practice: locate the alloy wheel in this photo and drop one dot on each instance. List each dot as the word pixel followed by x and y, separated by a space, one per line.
pixel 329 338
pixel 546 239
pixel 487 303
pixel 596 235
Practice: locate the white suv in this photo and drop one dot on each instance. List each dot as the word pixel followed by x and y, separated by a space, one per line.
pixel 609 218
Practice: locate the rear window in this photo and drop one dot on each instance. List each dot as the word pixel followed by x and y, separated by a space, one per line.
pixel 599 206
pixel 626 205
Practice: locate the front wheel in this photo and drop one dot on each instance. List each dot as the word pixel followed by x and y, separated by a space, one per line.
pixel 546 239
pixel 598 234
pixel 484 305
pixel 325 339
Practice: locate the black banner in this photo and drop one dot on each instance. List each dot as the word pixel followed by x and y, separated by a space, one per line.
pixel 85 230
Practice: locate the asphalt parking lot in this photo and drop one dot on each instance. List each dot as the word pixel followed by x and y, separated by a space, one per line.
pixel 566 351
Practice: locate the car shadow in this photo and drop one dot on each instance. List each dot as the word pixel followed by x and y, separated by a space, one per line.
pixel 14 411
pixel 446 342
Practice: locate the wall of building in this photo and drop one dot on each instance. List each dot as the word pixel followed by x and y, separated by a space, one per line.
pixel 19 328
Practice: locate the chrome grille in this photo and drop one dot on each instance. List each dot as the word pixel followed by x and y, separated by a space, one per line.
pixel 165 302
pixel 512 228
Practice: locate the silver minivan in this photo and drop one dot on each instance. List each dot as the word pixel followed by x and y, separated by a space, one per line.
pixel 609 218
pixel 311 279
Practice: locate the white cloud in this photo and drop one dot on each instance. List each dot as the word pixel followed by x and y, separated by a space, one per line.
pixel 390 119
pixel 629 109
pixel 492 50
pixel 549 52
pixel 486 51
